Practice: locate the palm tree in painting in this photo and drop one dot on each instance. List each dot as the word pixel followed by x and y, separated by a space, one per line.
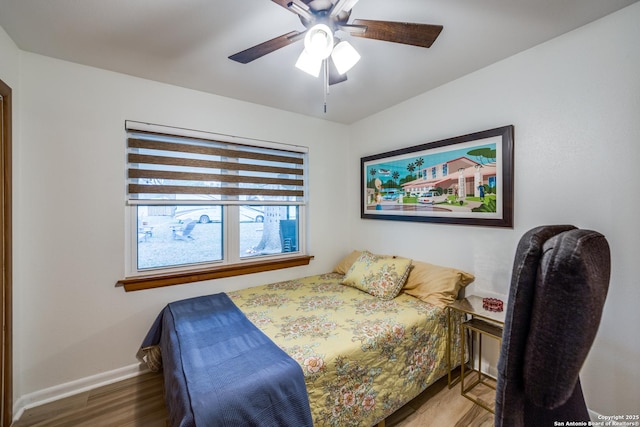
pixel 419 163
pixel 411 167
pixel 373 173
pixel 395 175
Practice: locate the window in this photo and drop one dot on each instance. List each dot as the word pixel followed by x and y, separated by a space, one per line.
pixel 200 202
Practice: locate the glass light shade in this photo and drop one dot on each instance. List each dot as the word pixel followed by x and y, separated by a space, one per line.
pixel 318 41
pixel 344 56
pixel 309 64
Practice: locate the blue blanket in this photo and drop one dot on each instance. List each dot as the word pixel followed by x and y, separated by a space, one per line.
pixel 220 370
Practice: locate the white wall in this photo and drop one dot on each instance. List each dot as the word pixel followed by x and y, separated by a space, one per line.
pixel 71 321
pixel 575 105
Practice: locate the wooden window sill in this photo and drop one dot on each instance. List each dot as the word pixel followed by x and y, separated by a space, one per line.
pixel 170 279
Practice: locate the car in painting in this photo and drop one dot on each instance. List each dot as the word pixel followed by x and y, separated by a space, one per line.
pixel 430 197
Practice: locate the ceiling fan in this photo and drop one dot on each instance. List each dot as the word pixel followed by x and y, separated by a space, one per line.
pixel 322 19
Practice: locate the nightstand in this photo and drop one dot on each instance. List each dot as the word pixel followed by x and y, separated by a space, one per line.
pixel 477 322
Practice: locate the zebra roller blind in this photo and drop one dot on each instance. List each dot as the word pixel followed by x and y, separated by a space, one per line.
pixel 176 169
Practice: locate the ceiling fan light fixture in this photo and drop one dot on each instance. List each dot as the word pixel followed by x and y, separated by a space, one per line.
pixel 318 42
pixel 344 56
pixel 309 64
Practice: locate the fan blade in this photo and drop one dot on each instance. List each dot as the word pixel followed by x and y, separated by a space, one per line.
pixel 269 46
pixel 334 76
pixel 282 3
pixel 422 35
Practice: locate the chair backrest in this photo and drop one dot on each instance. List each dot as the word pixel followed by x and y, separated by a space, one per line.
pixel 559 283
pixel 188 228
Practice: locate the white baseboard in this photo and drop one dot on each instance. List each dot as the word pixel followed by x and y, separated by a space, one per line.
pixel 81 385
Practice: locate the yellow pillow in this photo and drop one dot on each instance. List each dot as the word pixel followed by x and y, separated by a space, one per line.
pixel 345 263
pixel 380 276
pixel 436 284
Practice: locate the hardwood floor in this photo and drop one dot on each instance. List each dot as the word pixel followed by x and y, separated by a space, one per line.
pixel 139 402
pixel 443 407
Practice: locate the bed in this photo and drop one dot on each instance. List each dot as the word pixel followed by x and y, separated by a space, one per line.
pixel 360 354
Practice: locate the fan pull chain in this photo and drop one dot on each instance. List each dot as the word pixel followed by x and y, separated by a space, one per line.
pixel 326 83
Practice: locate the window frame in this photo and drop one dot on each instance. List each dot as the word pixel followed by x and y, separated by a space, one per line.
pixel 232 264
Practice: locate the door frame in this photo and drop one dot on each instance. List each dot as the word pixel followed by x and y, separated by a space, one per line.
pixel 6 312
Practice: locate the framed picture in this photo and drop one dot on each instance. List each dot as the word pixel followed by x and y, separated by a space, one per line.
pixel 463 180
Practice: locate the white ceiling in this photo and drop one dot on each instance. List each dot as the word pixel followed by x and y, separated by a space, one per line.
pixel 187 42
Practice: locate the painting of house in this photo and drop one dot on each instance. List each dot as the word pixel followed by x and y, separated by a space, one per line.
pixel 454 178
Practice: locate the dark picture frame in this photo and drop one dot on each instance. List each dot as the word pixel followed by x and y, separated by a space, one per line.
pixel 466 180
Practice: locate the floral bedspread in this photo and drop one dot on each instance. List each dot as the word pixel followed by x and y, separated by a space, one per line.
pixel 363 357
